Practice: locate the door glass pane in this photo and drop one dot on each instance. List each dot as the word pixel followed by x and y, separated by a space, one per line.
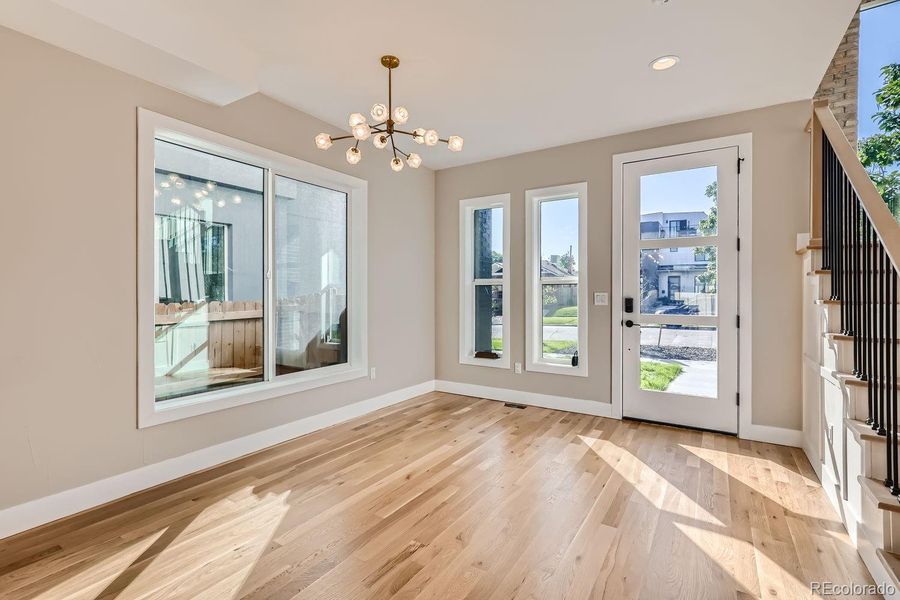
pixel 488 243
pixel 310 255
pixel 679 281
pixel 559 238
pixel 679 204
pixel 559 338
pixel 489 318
pixel 208 231
pixel 679 360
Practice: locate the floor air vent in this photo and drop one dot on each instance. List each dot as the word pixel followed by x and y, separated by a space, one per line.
pixel 513 405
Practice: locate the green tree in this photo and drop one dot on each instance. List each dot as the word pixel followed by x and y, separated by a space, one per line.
pixel 710 226
pixel 880 153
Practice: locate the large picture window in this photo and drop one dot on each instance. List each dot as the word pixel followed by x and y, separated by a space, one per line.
pixel 251 273
pixel 556 303
pixel 484 281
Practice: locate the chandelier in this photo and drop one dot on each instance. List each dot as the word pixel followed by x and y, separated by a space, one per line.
pixel 385 121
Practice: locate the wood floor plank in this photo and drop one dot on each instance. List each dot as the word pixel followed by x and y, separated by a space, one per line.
pixel 451 497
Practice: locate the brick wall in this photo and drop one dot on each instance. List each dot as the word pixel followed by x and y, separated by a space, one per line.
pixel 839 85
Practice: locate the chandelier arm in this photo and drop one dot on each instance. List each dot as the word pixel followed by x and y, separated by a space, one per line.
pixel 393 146
pixel 401 152
pixel 409 133
pixel 342 137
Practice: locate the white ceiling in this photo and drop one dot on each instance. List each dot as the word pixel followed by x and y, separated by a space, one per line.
pixel 507 75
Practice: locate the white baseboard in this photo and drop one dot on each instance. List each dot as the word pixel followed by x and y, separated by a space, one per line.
pixel 758 433
pixel 772 435
pixel 25 516
pixel 576 405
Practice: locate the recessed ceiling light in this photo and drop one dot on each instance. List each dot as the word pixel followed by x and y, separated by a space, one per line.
pixel 664 62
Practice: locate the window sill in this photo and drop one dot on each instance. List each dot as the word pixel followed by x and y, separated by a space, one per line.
pixel 497 363
pixel 558 369
pixel 199 404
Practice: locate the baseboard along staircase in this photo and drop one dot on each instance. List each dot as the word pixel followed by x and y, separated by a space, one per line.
pixel 850 375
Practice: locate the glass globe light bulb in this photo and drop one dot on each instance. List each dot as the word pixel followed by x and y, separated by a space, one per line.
pixel 419 135
pixel 323 141
pixel 401 115
pixel 361 131
pixel 431 137
pixel 356 119
pixel 396 164
pixel 455 143
pixel 379 113
pixel 380 141
pixel 353 155
pixel 414 160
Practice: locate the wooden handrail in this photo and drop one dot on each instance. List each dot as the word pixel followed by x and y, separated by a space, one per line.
pixel 887 229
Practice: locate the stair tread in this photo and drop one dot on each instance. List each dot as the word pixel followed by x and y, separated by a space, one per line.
pixel 850 379
pixel 862 430
pixel 843 337
pixel 830 301
pixel 891 563
pixel 881 494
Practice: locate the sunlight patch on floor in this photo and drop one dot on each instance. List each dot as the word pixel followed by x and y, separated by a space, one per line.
pixel 662 494
pixel 208 557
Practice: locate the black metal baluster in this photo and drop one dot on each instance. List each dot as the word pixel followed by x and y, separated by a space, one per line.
pixel 826 207
pixel 890 387
pixel 880 302
pixel 855 287
pixel 890 346
pixel 868 376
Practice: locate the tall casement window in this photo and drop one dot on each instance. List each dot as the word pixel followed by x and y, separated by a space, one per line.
pixel 251 273
pixel 484 281
pixel 556 280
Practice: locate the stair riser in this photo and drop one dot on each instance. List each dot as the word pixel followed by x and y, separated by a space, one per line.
pixel 870 455
pixel 837 355
pixel 880 525
pixel 822 286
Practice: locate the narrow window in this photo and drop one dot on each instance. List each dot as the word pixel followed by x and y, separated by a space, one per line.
pixel 556 303
pixel 484 277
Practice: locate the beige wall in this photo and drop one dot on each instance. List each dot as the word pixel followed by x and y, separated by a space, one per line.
pixel 67 242
pixel 780 192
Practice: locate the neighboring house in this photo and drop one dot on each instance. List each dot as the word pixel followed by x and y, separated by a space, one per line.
pixel 676 271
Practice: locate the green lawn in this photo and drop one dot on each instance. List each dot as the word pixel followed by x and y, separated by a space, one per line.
pixel 550 346
pixel 566 311
pixel 573 321
pixel 560 346
pixel 658 375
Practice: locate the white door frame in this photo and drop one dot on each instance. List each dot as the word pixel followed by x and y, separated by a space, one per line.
pixel 744 144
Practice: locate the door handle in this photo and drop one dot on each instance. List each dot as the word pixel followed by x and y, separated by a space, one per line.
pixel 630 323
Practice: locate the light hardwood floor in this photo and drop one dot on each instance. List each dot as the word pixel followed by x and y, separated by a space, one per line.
pixel 449 497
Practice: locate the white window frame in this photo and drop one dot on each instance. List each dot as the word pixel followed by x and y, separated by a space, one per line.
pixel 467 281
pixel 152 126
pixel 534 360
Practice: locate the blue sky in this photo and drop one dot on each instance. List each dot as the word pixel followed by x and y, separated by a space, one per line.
pixel 677 191
pixel 559 227
pixel 879 44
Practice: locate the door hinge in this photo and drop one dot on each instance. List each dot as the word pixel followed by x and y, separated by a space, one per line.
pixel 739 161
pixel 738 321
pixel 738 398
pixel 739 244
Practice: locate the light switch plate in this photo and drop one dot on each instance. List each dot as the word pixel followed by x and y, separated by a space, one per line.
pixel 601 298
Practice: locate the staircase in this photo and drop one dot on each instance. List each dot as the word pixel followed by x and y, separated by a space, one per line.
pixel 850 329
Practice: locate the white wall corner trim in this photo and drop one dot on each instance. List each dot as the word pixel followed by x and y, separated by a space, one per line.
pixel 575 405
pixel 31 514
